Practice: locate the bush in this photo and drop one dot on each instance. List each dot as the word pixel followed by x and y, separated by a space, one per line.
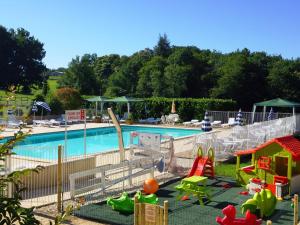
pixel 56 106
pixel 187 108
pixel 69 98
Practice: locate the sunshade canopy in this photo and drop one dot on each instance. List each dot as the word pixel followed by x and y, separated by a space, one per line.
pixel 97 99
pixel 125 99
pixel 278 102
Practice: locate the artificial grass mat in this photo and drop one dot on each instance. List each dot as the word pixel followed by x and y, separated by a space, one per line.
pixel 224 191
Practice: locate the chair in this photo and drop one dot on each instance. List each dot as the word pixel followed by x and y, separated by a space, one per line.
pixel 187 123
pixel 149 214
pixel 45 123
pixel 231 122
pixel 13 122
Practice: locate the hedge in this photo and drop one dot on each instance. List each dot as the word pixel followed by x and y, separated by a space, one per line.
pixel 187 108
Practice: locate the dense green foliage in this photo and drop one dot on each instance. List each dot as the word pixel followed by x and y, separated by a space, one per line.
pixel 20 59
pixel 11 211
pixel 187 108
pixel 189 72
pixel 65 99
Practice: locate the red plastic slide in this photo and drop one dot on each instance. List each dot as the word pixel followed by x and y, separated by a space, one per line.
pixel 202 166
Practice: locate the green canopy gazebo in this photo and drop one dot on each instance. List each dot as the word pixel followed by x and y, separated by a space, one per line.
pixel 125 99
pixel 97 99
pixel 277 102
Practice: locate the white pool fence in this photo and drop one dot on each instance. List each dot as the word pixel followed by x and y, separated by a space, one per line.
pixel 224 116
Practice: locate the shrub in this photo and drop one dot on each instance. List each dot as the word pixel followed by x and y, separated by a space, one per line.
pixel 187 108
pixel 56 106
pixel 69 98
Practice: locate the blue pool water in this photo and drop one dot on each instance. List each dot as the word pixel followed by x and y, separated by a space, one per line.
pixel 44 146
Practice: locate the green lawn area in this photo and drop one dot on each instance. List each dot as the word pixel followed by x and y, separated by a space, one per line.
pixel 227 169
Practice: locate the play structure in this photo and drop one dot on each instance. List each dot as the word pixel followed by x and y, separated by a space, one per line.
pixel 264 201
pixel 275 165
pixel 230 214
pixel 125 204
pixel 203 165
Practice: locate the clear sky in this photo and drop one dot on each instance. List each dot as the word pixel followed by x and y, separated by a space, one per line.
pixel 74 27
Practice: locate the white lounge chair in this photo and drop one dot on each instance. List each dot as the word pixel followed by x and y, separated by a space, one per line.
pixel 231 122
pixel 188 123
pixel 45 123
pixel 216 123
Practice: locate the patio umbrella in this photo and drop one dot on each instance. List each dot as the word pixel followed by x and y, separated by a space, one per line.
pixel 206 125
pixel 239 119
pixel 43 105
pixel 125 99
pixel 271 115
pixel 173 109
pixel 97 99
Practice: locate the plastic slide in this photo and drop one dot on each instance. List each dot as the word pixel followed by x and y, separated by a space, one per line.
pixel 203 166
pixel 198 166
pixel 264 200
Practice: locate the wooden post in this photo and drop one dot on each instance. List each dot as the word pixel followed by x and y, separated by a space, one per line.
pixel 269 222
pixel 59 179
pixel 166 208
pixel 136 210
pixel 119 131
pixel 296 209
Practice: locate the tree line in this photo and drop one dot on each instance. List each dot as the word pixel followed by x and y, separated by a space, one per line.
pixel 186 71
pixel 21 58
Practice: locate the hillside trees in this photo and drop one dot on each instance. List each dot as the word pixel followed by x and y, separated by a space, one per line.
pixel 20 59
pixel 187 71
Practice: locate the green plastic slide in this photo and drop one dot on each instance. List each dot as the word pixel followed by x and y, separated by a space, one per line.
pixel 264 200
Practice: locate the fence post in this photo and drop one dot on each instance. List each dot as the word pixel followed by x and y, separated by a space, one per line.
pixel 296 205
pixel 59 179
pixel 8 171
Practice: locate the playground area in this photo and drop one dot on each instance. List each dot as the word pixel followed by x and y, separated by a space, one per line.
pixel 224 191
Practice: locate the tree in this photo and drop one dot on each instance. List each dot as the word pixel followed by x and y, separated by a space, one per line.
pixel 163 47
pixel 80 75
pixel 243 78
pixel 20 59
pixel 151 78
pixel 104 67
pixel 284 79
pixel 68 97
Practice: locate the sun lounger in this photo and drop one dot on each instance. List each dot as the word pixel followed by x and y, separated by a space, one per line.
pixel 231 122
pixel 197 124
pixel 46 123
pixel 188 123
pixel 150 120
pixel 216 123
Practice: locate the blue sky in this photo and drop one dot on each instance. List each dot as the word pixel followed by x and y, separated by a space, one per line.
pixel 74 27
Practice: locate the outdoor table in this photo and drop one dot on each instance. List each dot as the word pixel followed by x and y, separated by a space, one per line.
pixel 194 185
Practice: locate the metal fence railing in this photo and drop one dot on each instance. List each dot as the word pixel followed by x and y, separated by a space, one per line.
pixel 224 116
pixel 245 137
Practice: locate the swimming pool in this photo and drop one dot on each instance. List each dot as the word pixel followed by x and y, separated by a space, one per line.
pixel 43 146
